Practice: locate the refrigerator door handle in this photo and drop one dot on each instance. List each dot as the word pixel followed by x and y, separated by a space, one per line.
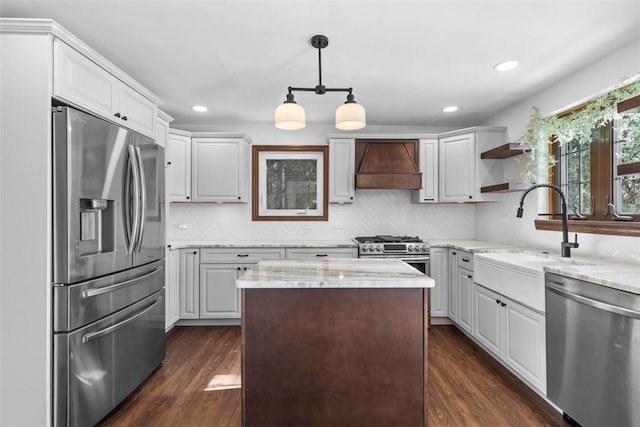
pixel 99 291
pixel 93 335
pixel 143 199
pixel 133 217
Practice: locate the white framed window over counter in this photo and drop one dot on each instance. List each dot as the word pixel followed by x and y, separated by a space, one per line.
pixel 289 183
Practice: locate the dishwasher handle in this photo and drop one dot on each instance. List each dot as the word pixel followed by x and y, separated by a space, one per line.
pixel 553 286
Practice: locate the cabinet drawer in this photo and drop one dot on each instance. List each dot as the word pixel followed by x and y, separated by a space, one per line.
pixel 318 253
pixel 465 260
pixel 239 255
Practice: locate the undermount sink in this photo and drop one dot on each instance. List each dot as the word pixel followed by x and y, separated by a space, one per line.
pixel 518 275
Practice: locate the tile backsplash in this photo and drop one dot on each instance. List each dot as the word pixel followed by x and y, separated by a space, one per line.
pixel 373 212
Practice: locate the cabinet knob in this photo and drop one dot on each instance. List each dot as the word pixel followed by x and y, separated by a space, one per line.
pixel 471 197
pixel 195 252
pixel 168 163
pixel 469 276
pixel 497 301
pixel 188 197
pixel 117 115
pixel 239 268
pixel 239 198
pixel 503 304
pixel 245 269
pixel 351 197
pixel 125 119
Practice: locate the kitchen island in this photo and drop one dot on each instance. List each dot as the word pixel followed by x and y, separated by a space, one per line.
pixel 334 342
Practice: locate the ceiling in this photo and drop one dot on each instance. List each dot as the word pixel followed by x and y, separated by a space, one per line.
pixel 405 60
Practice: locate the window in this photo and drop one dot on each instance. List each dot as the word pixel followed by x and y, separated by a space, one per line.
pixel 290 183
pixel 601 178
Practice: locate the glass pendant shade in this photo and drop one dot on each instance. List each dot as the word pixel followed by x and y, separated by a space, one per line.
pixel 350 116
pixel 290 116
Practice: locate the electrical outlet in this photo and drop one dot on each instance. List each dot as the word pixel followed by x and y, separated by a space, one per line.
pixel 186 226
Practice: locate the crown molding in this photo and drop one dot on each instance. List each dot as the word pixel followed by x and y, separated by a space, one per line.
pixel 51 27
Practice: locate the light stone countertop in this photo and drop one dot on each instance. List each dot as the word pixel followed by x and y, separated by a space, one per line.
pixel 624 277
pixel 181 244
pixel 475 246
pixel 334 273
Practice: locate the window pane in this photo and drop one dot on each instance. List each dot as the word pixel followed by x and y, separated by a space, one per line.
pixel 585 166
pixel 585 199
pixel 628 188
pixel 292 184
pixel 629 132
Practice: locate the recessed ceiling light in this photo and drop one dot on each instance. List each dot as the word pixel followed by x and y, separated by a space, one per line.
pixel 450 109
pixel 199 108
pixel 506 65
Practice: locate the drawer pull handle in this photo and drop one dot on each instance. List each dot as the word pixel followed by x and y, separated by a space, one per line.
pixel 243 255
pixel 322 255
pixel 465 259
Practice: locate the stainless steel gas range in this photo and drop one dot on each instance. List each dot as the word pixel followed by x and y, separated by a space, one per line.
pixel 411 250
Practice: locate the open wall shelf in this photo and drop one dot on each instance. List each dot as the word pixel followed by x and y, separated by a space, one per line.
pixel 505 151
pixel 506 187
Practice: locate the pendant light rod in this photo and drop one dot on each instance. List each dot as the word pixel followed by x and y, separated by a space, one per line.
pixel 319 42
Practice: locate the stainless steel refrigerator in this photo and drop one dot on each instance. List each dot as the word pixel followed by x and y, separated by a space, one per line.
pixel 108 258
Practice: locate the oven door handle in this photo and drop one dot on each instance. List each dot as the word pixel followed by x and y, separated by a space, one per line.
pixel 420 259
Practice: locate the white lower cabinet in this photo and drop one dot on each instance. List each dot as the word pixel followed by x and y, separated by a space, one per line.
pixel 219 296
pixel 439 271
pixel 453 285
pixel 465 298
pixel 515 334
pixel 172 292
pixel 189 283
pixel 319 253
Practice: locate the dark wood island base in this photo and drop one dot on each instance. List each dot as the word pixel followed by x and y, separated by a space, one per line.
pixel 334 357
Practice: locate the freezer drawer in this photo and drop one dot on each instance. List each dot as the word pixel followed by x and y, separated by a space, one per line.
pixel 82 303
pixel 97 366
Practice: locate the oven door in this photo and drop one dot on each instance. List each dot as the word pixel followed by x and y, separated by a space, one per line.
pixel 420 263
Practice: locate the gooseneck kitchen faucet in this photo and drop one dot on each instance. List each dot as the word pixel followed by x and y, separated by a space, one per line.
pixel 566 245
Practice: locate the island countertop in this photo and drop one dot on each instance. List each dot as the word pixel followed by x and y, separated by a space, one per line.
pixel 334 273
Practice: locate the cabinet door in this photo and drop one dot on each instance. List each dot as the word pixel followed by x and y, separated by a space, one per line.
pixel 488 327
pixel 79 81
pixel 172 291
pixel 453 285
pixel 342 170
pixel 439 271
pixel 219 296
pixel 188 284
pixel 457 168
pixel 218 168
pixel 465 289
pixel 138 112
pixel 429 168
pixel 178 177
pixel 525 348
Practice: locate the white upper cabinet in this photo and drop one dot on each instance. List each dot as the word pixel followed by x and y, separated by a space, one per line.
pixel 178 159
pixel 429 168
pixel 81 82
pixel 220 169
pixel 342 170
pixel 462 173
pixel 457 168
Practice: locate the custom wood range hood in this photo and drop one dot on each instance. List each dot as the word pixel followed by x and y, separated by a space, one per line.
pixel 387 164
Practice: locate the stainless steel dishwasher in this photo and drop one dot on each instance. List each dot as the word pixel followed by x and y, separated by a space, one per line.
pixel 593 352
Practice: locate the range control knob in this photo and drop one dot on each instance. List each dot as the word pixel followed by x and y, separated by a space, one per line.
pixel 379 248
pixel 410 248
pixel 425 248
pixel 364 248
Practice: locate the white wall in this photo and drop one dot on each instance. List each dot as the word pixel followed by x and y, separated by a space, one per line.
pixel 373 212
pixel 588 81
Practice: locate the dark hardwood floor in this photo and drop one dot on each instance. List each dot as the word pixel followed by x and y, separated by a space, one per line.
pixel 199 385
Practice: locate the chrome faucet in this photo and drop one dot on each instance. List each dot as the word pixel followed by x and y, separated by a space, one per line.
pixel 566 245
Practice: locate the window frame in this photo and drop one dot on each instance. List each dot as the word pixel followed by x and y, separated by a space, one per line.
pixel 282 152
pixel 604 171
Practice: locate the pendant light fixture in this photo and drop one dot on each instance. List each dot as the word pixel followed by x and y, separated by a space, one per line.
pixel 349 116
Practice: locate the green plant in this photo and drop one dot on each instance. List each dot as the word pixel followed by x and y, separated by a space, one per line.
pixel 577 125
